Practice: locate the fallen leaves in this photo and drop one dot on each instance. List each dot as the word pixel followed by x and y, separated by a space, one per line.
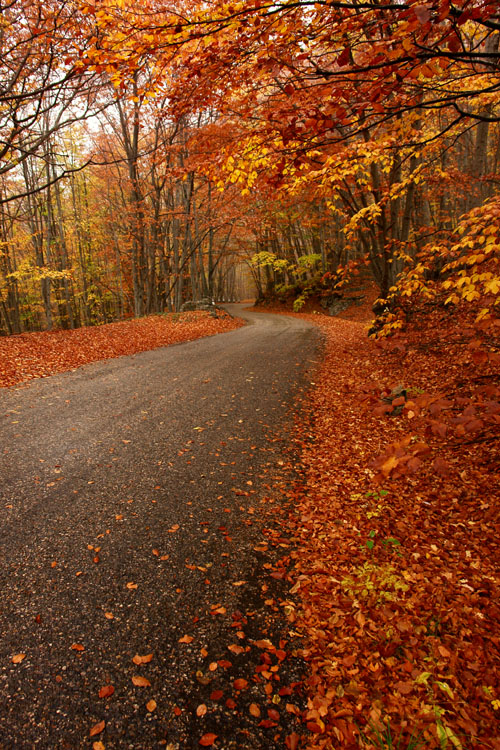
pixel 151 705
pixel 240 683
pixel 138 660
pixel 208 739
pixel 186 639
pixel 106 691
pixel 18 658
pixel 34 355
pixel 141 681
pixel 387 576
pixel 97 728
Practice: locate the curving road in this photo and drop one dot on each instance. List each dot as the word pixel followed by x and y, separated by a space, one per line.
pixel 130 499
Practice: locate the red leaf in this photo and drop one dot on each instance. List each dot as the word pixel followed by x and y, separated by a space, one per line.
pixel 240 684
pixel 106 691
pixel 208 739
pixel 97 728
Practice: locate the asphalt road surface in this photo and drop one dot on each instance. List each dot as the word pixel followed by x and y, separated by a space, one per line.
pixel 130 494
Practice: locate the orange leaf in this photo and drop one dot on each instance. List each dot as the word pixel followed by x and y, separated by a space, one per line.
pixel 263 644
pixel 240 684
pixel 201 710
pixel 108 615
pixel 78 647
pixel 17 658
pixel 131 585
pixel 98 745
pixel 235 648
pixel 208 739
pixel 151 705
pixel 106 691
pixel 186 639
pixel 213 666
pixel 254 710
pixel 141 681
pixel 97 728
pixel 142 659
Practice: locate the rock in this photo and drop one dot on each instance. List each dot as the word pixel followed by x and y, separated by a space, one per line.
pixel 336 306
pixel 203 304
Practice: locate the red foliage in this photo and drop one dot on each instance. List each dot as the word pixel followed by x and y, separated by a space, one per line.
pixel 398 580
pixel 37 355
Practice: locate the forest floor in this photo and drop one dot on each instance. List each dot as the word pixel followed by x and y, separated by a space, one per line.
pixel 395 565
pixel 394 573
pixel 37 355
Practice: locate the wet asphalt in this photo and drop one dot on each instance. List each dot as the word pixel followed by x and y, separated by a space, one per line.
pixel 130 494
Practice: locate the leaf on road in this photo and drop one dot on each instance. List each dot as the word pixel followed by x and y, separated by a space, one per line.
pixel 151 705
pixel 106 691
pixel 141 681
pixel 208 739
pixel 186 639
pixel 17 658
pixel 240 684
pixel 97 728
pixel 201 710
pixel 142 659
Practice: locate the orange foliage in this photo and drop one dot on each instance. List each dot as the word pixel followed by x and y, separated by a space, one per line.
pixel 35 355
pixel 397 581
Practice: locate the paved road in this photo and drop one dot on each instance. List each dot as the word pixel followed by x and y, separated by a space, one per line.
pixel 130 498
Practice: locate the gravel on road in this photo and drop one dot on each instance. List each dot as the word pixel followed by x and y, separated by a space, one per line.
pixel 135 580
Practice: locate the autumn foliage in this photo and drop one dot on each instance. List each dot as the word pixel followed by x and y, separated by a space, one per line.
pixel 394 581
pixel 35 355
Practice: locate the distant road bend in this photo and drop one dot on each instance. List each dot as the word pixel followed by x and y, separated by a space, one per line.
pixel 126 496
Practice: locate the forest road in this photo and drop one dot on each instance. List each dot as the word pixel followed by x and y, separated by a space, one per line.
pixel 130 494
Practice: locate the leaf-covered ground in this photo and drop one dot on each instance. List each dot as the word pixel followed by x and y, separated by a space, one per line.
pixel 393 573
pixel 397 577
pixel 37 355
